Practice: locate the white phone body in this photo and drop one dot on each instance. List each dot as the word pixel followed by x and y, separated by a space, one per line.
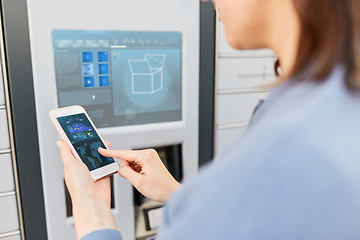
pixel 99 172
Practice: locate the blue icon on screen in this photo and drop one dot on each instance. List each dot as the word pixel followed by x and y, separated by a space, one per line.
pixel 87 56
pixel 88 81
pixel 88 69
pixel 104 81
pixel 103 57
pixel 103 69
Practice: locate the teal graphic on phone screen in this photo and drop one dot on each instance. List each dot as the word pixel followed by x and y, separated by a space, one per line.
pixel 85 140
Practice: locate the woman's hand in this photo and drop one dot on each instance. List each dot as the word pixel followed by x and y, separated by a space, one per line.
pixel 91 201
pixel 145 170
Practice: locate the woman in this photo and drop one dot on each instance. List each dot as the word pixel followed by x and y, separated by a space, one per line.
pixel 295 173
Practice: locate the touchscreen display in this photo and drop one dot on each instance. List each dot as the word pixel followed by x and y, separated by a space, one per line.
pixel 120 77
pixel 85 140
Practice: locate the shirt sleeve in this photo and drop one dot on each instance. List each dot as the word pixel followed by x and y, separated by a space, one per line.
pixel 105 234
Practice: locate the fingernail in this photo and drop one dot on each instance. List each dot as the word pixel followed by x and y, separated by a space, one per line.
pixel 58 143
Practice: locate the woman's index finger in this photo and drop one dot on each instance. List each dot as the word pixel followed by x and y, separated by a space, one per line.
pixel 127 155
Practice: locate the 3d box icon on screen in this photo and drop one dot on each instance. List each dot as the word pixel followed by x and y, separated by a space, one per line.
pixel 147 74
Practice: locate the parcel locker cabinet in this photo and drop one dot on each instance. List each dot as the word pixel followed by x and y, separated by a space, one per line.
pixel 10 218
pixel 9 208
pixel 21 108
pixel 37 84
pixel 243 78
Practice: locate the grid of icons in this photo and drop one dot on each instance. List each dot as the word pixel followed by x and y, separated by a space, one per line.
pixel 95 69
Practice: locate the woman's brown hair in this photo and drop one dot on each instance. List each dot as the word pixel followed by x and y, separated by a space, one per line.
pixel 330 34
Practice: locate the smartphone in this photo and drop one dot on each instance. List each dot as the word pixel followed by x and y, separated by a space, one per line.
pixel 78 131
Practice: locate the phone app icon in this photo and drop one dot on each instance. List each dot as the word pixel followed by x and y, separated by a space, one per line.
pixel 90 134
pixel 70 129
pixel 81 136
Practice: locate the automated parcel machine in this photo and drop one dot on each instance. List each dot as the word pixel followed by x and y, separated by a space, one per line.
pixel 134 66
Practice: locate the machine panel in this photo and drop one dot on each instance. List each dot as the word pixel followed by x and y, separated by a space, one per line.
pixel 147 96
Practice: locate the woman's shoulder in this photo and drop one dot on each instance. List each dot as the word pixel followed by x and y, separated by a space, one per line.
pixel 310 111
pixel 279 179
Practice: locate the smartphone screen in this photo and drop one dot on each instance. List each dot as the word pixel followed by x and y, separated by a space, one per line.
pixel 85 140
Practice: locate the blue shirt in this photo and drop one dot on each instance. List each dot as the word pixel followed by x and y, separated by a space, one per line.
pixel 294 173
